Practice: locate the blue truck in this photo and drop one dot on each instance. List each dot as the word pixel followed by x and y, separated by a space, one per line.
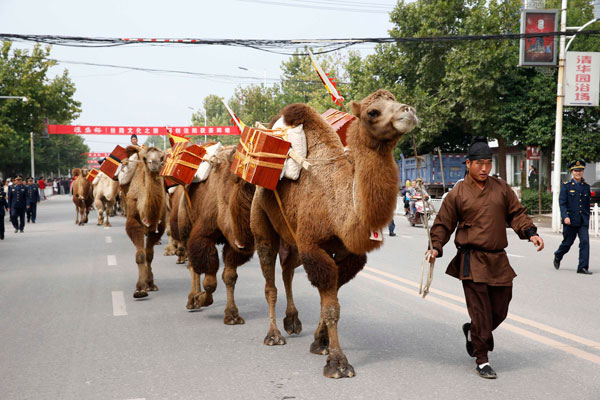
pixel 430 171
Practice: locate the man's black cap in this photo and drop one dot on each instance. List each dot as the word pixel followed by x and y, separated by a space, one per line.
pixel 577 165
pixel 18 177
pixel 134 136
pixel 479 149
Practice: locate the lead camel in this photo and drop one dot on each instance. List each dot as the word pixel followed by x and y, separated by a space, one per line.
pixel 333 209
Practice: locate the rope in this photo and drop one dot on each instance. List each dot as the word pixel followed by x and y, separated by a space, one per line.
pixel 189 204
pixel 284 217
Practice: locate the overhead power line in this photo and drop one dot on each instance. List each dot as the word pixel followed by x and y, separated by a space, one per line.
pixel 271 45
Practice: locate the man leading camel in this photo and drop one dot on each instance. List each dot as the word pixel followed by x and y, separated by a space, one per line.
pixel 481 206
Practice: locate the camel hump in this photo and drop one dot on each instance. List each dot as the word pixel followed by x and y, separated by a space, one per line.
pixel 298 113
pixel 76 172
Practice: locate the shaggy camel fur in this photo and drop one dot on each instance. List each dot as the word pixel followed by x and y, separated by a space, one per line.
pixel 105 195
pixel 332 209
pixel 146 212
pixel 220 214
pixel 82 196
pixel 175 221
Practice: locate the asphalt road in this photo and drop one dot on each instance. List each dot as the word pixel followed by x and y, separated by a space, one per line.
pixel 70 328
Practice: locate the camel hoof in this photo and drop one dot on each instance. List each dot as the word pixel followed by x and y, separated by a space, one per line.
pixel 292 324
pixel 107 224
pixel 319 348
pixel 338 369
pixel 180 260
pixel 275 340
pixel 233 320
pixel 193 302
pixel 152 288
pixel 169 252
pixel 99 223
pixel 206 299
pixel 138 294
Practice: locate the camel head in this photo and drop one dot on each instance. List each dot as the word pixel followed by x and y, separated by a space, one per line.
pixel 382 118
pixel 84 171
pixel 153 158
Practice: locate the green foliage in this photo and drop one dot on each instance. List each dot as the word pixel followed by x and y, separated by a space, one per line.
pixel 24 74
pixel 530 199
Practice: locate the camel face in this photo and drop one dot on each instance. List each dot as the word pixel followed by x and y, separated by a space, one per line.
pixel 385 118
pixel 153 158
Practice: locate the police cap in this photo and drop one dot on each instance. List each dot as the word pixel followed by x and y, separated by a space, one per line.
pixel 577 165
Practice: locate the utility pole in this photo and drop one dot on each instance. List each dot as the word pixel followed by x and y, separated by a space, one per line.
pixel 560 98
pixel 32 156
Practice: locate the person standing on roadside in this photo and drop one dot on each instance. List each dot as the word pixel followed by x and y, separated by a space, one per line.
pixel 42 188
pixel 3 209
pixel 479 208
pixel 574 201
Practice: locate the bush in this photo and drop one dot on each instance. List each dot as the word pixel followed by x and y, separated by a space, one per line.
pixel 530 199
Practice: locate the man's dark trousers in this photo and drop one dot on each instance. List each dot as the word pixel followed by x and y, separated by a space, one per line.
pixel 15 214
pixel 31 212
pixel 569 234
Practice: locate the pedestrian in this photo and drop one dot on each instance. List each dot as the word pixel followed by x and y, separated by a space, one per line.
pixel 574 201
pixel 17 201
pixel 33 199
pixel 532 177
pixel 134 139
pixel 404 199
pixel 55 186
pixel 479 208
pixel 42 188
pixel 3 209
pixel 392 227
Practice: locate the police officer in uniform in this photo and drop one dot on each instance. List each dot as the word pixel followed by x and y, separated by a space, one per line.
pixel 574 203
pixel 17 201
pixel 3 206
pixel 33 198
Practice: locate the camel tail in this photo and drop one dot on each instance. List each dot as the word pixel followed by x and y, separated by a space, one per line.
pixel 76 171
pixel 299 113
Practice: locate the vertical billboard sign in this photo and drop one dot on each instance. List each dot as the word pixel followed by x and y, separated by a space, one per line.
pixel 582 80
pixel 539 50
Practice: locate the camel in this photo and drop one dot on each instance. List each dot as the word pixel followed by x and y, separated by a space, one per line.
pixel 146 211
pixel 82 195
pixel 179 222
pixel 219 214
pixel 105 195
pixel 171 247
pixel 332 210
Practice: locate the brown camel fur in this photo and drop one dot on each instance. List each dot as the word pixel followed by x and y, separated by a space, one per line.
pixel 332 209
pixel 105 196
pixel 171 247
pixel 220 214
pixel 179 222
pixel 82 196
pixel 146 212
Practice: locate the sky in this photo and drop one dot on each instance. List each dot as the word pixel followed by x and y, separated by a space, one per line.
pixel 120 97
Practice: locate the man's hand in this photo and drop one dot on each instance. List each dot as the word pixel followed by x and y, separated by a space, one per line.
pixel 567 221
pixel 538 242
pixel 432 255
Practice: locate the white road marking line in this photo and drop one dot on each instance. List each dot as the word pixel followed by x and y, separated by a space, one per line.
pixel 118 302
pixel 533 336
pixel 111 259
pixel 107 227
pixel 514 255
pixel 107 239
pixel 511 316
pixel 406 236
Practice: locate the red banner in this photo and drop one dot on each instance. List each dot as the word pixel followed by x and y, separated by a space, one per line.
pixel 141 130
pixel 97 155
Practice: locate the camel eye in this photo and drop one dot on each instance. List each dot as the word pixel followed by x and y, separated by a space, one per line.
pixel 373 113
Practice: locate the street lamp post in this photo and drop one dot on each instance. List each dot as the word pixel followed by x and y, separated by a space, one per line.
pixel 25 99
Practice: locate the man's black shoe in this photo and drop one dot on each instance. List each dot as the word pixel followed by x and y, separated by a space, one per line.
pixel 466 327
pixel 584 271
pixel 486 372
pixel 16 230
pixel 22 231
pixel 556 263
pixel 392 234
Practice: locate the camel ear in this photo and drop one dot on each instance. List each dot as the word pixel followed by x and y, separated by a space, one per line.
pixel 131 150
pixel 355 107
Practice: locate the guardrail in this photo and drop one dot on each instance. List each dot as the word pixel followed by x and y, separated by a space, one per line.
pixel 595 220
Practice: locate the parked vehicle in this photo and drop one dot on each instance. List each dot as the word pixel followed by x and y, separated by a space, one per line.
pixel 595 194
pixel 430 171
pixel 418 218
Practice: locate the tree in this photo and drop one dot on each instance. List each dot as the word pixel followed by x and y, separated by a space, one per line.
pixel 24 74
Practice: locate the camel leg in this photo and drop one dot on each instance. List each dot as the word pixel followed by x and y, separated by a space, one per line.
pixel 289 261
pixel 232 259
pixel 107 208
pixel 100 209
pixel 151 240
pixel 203 258
pixel 76 214
pixel 180 253
pixel 195 291
pixel 136 234
pixel 323 273
pixel 83 216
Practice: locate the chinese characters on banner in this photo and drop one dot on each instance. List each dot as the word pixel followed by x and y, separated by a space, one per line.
pixel 97 155
pixel 533 152
pixel 141 130
pixel 581 78
pixel 540 50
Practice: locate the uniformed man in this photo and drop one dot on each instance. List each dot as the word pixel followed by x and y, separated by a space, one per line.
pixel 481 206
pixel 3 207
pixel 17 201
pixel 33 198
pixel 574 201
